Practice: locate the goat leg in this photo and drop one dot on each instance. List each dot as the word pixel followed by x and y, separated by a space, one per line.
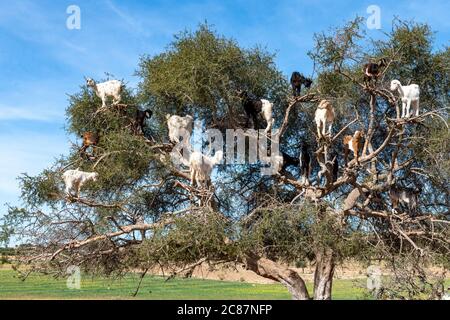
pixel 355 154
pixel 255 122
pixel 408 108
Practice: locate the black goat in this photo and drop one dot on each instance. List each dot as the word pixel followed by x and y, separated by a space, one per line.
pixel 297 80
pixel 373 70
pixel 305 163
pixel 335 168
pixel 140 118
pixel 252 108
pixel 289 161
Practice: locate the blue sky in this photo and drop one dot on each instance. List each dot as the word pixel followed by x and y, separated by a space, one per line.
pixel 41 61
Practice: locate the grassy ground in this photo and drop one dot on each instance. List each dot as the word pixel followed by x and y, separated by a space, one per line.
pixel 44 287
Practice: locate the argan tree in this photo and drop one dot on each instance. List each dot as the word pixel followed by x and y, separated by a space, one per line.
pixel 143 213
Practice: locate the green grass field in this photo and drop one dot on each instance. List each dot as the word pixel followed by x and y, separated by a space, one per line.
pixel 44 287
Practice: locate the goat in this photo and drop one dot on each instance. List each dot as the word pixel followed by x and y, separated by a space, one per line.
pixel 75 179
pixel 90 139
pixel 201 167
pixel 289 161
pixel 297 80
pixel 112 88
pixel 354 144
pixel 329 169
pixel 179 126
pixel 405 196
pixel 254 107
pixel 305 164
pixel 410 95
pixel 335 169
pixel 324 115
pixel 140 118
pixel 373 70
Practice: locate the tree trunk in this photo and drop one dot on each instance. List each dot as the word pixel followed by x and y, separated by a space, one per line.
pixel 323 275
pixel 269 269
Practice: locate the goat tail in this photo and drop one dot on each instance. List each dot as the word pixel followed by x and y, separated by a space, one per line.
pixel 168 116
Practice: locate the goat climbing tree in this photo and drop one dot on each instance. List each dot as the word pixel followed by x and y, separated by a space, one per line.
pixel 143 214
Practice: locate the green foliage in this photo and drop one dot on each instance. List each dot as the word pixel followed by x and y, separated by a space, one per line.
pixel 41 189
pixel 200 74
pixel 4 259
pixel 295 233
pixel 411 281
pixel 192 237
pixel 83 113
pixel 7 251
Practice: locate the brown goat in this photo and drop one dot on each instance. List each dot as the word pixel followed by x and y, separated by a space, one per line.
pixel 90 139
pixel 353 143
pixel 373 70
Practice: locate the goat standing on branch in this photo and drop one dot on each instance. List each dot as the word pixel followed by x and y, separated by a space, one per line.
pixel 141 117
pixel 305 164
pixel 112 88
pixel 297 80
pixel 354 144
pixel 254 107
pixel 180 127
pixel 90 139
pixel 289 161
pixel 324 116
pixel 201 167
pixel 373 70
pixel 405 196
pixel 76 179
pixel 410 96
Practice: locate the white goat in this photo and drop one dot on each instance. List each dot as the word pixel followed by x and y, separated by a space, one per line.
pixel 410 96
pixel 179 126
pixel 324 115
pixel 75 179
pixel 112 88
pixel 266 112
pixel 202 166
